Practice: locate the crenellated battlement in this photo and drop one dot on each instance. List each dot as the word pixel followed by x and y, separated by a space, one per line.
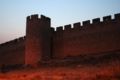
pixel 117 16
pixel 107 18
pixel 67 27
pixel 77 25
pixel 96 21
pixel 15 41
pixel 93 36
pixel 59 28
pixel 88 23
pixel 45 18
pixel 43 43
pixel 36 17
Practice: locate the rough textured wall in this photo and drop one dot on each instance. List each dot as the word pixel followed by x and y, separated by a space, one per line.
pixel 43 43
pixel 37 39
pixel 12 52
pixel 90 38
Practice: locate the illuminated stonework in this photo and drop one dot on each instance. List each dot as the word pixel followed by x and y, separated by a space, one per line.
pixel 43 43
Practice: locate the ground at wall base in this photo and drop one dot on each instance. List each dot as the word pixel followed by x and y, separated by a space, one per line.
pixel 107 71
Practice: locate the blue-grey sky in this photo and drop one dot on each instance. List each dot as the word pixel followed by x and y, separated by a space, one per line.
pixel 13 13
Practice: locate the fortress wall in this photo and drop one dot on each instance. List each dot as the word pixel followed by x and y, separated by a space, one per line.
pixel 90 38
pixel 43 43
pixel 58 42
pixel 12 52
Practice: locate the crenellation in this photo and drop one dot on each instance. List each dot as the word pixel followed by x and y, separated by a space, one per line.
pixel 28 18
pixel 117 16
pixel 96 21
pixel 86 23
pixel 77 25
pixel 59 28
pixel 67 27
pixel 107 18
pixel 43 43
pixel 35 16
pixel 15 41
pixel 45 18
pixel 38 36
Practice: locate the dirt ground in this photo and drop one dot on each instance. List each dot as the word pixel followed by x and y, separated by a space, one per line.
pixel 79 72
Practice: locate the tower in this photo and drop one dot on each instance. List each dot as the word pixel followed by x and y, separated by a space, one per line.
pixel 37 39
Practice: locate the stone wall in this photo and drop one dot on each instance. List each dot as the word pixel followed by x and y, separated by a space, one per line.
pixel 89 38
pixel 38 39
pixel 43 42
pixel 12 52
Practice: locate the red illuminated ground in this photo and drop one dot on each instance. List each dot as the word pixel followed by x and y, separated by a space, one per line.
pixel 108 71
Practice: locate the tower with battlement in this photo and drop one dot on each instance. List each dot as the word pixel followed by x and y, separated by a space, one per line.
pixel 42 43
pixel 38 40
